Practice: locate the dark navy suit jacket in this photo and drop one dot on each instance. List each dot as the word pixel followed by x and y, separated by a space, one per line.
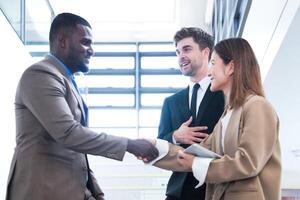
pixel 174 112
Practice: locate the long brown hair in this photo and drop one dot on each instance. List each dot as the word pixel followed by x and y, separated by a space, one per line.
pixel 246 76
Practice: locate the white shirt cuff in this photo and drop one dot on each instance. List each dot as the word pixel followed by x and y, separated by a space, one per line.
pixel 200 167
pixel 163 149
pixel 173 139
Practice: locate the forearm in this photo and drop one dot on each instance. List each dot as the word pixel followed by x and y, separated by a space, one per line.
pixel 169 161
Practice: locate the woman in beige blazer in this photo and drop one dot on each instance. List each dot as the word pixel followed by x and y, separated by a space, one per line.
pixel 246 136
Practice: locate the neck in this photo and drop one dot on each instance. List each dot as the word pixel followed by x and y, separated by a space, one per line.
pixel 202 73
pixel 227 90
pixel 63 60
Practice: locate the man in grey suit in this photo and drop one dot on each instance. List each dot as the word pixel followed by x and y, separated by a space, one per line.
pixel 193 48
pixel 52 137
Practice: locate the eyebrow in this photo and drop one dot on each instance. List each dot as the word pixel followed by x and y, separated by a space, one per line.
pixel 184 47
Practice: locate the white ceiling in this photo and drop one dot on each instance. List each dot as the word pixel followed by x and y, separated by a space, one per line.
pixel 120 20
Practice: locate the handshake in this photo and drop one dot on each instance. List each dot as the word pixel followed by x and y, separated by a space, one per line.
pixel 143 149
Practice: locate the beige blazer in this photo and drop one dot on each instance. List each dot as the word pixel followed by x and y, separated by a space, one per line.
pixel 49 161
pixel 250 167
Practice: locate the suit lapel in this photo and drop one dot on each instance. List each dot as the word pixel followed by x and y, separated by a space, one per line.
pixel 203 105
pixel 79 99
pixel 184 103
pixel 232 132
pixel 60 70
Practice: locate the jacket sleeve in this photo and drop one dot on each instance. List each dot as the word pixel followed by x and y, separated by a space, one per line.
pixel 165 131
pixel 257 139
pixel 169 162
pixel 43 93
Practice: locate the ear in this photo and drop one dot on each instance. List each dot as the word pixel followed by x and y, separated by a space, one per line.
pixel 230 68
pixel 62 40
pixel 206 51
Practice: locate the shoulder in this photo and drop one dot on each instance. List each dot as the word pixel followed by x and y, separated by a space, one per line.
pixel 178 95
pixel 45 65
pixel 42 74
pixel 44 68
pixel 258 104
pixel 255 100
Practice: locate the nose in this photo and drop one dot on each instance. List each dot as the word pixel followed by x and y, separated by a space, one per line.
pixel 91 51
pixel 181 54
pixel 209 72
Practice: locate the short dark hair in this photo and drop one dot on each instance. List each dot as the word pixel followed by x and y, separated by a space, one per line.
pixel 202 38
pixel 65 21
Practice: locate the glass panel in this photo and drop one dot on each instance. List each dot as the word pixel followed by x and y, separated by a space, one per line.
pixel 123 132
pixel 112 63
pixel 153 99
pixel 112 118
pixel 172 81
pixel 110 100
pixel 38 21
pixel 37 48
pixel 114 48
pixel 107 81
pixel 157 47
pixel 162 62
pixel 11 10
pixel 148 132
pixel 149 117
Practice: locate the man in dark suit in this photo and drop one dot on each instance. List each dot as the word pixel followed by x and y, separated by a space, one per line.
pixel 52 137
pixel 185 121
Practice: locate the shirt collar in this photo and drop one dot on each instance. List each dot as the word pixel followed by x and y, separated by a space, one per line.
pixel 62 65
pixel 204 83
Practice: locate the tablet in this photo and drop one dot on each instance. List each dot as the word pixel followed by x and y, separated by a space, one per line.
pixel 201 151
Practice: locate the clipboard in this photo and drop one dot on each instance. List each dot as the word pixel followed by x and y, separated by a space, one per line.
pixel 201 151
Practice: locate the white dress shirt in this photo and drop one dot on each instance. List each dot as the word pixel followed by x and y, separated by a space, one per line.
pixel 200 165
pixel 204 83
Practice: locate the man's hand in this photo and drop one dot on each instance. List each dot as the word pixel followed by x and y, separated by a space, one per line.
pixel 185 160
pixel 142 149
pixel 189 135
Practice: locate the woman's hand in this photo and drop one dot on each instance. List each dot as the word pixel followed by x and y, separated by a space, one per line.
pixel 186 160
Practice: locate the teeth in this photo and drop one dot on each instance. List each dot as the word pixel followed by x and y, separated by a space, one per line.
pixel 183 64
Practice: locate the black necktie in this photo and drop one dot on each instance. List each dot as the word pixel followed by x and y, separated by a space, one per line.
pixel 194 101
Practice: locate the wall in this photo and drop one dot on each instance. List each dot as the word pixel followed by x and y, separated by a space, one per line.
pixel 14 58
pixel 273 28
pixel 282 88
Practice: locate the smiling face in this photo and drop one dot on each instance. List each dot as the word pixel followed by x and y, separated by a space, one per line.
pixel 192 60
pixel 79 49
pixel 220 74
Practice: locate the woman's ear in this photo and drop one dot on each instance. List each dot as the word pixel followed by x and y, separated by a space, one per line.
pixel 230 68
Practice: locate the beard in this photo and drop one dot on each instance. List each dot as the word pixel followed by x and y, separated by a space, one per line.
pixel 78 62
pixel 191 71
pixel 83 67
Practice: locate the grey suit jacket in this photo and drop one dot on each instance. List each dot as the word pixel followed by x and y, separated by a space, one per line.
pixel 49 161
pixel 250 167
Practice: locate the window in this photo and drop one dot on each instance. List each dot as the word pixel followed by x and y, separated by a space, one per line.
pixel 126 85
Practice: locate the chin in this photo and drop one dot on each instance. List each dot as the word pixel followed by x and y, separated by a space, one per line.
pixel 84 68
pixel 213 88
